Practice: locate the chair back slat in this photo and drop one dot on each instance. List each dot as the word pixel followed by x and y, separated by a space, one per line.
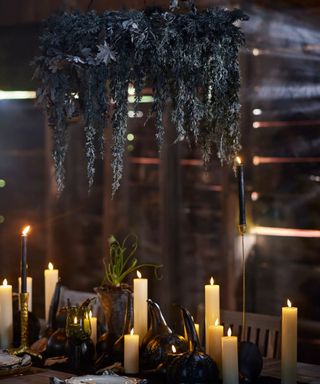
pixel 262 330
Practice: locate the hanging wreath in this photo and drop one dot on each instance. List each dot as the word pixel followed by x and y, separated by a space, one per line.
pixel 88 61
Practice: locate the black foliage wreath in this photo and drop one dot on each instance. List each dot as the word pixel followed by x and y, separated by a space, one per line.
pixel 88 61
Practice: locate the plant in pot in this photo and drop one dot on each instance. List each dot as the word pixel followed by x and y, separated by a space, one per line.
pixel 114 294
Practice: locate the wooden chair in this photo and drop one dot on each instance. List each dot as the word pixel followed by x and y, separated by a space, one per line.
pixel 263 330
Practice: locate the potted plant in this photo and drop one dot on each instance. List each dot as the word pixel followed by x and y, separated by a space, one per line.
pixel 114 294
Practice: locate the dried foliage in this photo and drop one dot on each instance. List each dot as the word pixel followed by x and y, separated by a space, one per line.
pixel 88 61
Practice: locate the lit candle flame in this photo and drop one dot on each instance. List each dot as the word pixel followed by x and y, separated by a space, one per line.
pixel 211 281
pixel 238 160
pixel 139 275
pixel 75 320
pixel 5 282
pixel 132 332
pixel 216 323
pixel 229 333
pixel 289 303
pixel 90 314
pixel 174 350
pixel 26 230
pixel 50 266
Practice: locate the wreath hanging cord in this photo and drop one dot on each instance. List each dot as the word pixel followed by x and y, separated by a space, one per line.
pixel 88 61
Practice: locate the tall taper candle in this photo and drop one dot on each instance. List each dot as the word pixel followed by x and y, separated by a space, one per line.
pixel 241 192
pixel 289 344
pixel 24 240
pixel 6 320
pixel 212 308
pixel 140 306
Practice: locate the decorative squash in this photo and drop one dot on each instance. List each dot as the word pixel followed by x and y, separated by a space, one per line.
pixel 158 342
pixel 194 366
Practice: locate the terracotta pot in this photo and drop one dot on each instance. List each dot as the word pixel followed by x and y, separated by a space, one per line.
pixel 117 306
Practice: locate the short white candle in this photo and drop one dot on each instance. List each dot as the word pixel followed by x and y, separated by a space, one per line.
pixel 230 368
pixel 29 290
pixel 212 308
pixel 289 344
pixel 6 319
pixel 93 321
pixel 131 353
pixel 51 277
pixel 140 306
pixel 215 349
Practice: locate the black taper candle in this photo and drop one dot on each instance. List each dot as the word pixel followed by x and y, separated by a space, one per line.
pixel 24 241
pixel 241 193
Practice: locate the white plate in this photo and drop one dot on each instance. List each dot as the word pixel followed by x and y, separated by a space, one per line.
pixel 104 379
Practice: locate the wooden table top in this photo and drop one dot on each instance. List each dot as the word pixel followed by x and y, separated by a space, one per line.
pixel 34 376
pixel 307 373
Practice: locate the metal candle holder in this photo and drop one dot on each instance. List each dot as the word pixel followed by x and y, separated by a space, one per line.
pixel 242 230
pixel 24 345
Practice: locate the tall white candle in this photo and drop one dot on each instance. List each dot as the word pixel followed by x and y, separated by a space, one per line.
pixel 140 306
pixel 93 321
pixel 29 290
pixel 215 349
pixel 230 368
pixel 212 308
pixel 6 319
pixel 289 344
pixel 131 353
pixel 51 277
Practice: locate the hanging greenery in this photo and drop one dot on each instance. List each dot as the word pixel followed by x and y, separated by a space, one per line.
pixel 88 61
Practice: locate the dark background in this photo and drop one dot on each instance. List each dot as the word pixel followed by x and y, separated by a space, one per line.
pixel 185 216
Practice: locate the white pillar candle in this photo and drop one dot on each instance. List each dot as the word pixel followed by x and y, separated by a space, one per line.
pixel 215 349
pixel 289 344
pixel 6 319
pixel 29 290
pixel 131 353
pixel 93 321
pixel 230 368
pixel 140 306
pixel 51 277
pixel 212 308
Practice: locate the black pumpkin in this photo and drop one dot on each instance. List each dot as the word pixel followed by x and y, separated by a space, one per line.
pixel 250 362
pixel 194 366
pixel 158 342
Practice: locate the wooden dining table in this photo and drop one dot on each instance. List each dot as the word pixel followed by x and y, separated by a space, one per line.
pixel 307 373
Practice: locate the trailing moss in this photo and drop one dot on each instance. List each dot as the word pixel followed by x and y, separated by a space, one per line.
pixel 88 61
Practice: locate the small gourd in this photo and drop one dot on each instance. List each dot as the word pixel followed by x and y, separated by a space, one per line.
pixel 250 362
pixel 158 342
pixel 194 366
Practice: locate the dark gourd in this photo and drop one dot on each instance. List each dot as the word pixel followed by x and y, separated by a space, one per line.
pixel 194 366
pixel 250 362
pixel 157 344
